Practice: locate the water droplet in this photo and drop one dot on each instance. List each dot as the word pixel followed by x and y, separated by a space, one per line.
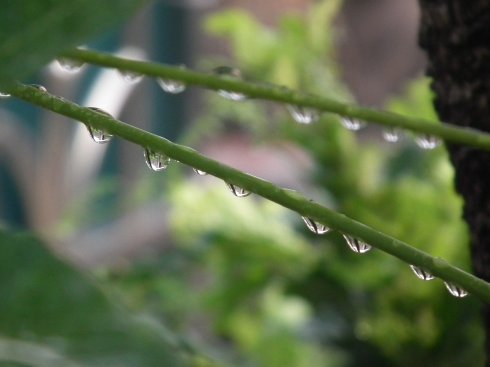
pixel 39 87
pixel 351 123
pixel 199 172
pixel 99 135
pixel 156 161
pixel 171 86
pixel 357 245
pixel 237 190
pixel 70 65
pixel 427 142
pixel 227 71
pixel 455 291
pixel 421 273
pixel 315 227
pixel 302 115
pixel 391 135
pixel 130 76
pixel 4 95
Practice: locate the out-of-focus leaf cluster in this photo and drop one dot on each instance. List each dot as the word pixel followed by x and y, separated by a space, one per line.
pixel 243 279
pixel 281 296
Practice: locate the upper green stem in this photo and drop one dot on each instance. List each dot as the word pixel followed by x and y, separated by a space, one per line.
pixel 448 132
pixel 284 197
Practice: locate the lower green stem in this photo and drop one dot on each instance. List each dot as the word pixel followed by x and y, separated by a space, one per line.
pixel 287 198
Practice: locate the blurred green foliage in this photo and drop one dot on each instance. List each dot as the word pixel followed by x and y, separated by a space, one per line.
pixel 243 280
pixel 279 302
pixel 52 315
pixel 33 32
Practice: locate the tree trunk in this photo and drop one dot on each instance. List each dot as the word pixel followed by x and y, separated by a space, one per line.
pixel 456 36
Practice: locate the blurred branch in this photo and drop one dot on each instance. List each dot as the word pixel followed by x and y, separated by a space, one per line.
pixel 287 198
pixel 270 92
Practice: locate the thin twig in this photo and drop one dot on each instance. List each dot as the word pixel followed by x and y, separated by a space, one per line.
pixel 287 198
pixel 445 131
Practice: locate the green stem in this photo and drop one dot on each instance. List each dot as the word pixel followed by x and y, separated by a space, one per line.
pixel 284 197
pixel 270 92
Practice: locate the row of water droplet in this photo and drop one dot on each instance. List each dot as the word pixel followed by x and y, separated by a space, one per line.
pixel 302 115
pixel 306 115
pixel 158 161
pixel 168 85
pixel 361 247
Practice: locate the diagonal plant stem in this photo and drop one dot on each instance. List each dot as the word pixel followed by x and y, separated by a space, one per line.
pixel 446 131
pixel 287 198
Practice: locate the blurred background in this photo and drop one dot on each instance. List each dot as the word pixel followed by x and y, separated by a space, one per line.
pixel 243 279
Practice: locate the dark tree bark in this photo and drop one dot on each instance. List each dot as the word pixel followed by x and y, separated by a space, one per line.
pixel 456 36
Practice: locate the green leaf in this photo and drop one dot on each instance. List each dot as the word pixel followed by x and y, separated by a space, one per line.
pixel 50 312
pixel 32 32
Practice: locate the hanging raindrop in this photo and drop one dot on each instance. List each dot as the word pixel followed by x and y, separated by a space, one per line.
pixel 99 135
pixel 4 95
pixel 227 71
pixel 455 291
pixel 199 172
pixel 391 135
pixel 302 115
pixel 421 273
pixel 237 190
pixel 357 245
pixel 315 227
pixel 70 65
pixel 171 86
pixel 351 123
pixel 427 142
pixel 39 87
pixel 130 76
pixel 156 161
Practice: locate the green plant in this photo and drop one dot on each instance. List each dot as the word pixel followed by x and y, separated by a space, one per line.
pixel 280 312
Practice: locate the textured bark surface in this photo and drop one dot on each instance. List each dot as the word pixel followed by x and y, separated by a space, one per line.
pixel 456 36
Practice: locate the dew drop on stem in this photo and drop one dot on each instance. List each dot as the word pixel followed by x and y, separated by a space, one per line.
pixel 352 124
pixel 70 65
pixel 156 161
pixel 315 227
pixel 39 87
pixel 427 142
pixel 455 290
pixel 302 115
pixel 130 76
pixel 230 72
pixel 237 190
pixel 421 273
pixel 171 86
pixel 199 172
pixel 100 136
pixel 357 245
pixel 391 135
